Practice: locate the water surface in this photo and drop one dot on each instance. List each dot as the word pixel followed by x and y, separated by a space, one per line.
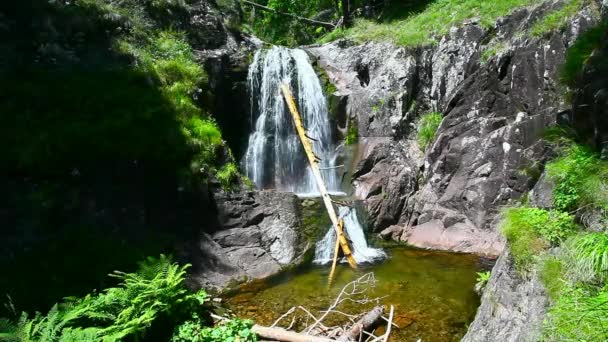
pixel 432 293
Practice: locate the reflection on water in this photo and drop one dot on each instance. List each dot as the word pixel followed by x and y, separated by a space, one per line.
pixel 432 293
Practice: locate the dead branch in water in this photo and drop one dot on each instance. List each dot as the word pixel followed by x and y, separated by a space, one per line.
pixel 359 327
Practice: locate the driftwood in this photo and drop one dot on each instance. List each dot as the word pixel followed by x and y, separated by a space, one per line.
pixel 278 334
pixel 364 324
pixel 302 19
pixel 338 224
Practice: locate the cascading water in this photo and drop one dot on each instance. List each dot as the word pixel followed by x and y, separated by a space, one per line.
pixel 324 251
pixel 274 157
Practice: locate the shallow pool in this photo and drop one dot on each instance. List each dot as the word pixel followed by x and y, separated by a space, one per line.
pixel 432 293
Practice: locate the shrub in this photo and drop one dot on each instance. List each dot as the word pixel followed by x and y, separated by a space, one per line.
pixel 586 257
pixel 579 54
pixel 227 175
pixel 578 315
pixel 530 230
pixel 557 19
pixel 427 129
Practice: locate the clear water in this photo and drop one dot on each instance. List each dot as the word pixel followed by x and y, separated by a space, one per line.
pixel 274 158
pixel 324 251
pixel 432 293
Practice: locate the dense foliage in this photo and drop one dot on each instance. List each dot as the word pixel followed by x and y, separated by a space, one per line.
pixel 154 295
pixel 531 230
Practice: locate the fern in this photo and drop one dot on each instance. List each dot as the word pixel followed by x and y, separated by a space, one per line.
pixel 127 310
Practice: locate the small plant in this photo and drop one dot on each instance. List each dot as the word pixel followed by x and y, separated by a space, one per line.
pixel 427 129
pixel 482 280
pixel 352 136
pixel 586 257
pixel 231 331
pixel 228 175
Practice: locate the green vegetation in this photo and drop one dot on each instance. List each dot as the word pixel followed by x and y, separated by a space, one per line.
pixel 586 258
pixel 492 50
pixel 580 53
pixel 425 27
pixel 228 175
pixel 143 301
pixel 551 274
pixel 482 279
pixel 579 314
pixel 579 176
pixel 530 231
pixel 427 129
pixel 352 135
pixel 557 19
pixel 235 330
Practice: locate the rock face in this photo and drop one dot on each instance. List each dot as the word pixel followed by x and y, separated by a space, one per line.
pixel 494 114
pixel 512 308
pixel 258 235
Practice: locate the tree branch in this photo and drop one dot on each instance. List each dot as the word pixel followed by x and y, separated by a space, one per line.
pixel 303 19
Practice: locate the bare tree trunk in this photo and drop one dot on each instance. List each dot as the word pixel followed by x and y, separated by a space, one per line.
pixel 278 334
pixel 365 323
pixel 346 12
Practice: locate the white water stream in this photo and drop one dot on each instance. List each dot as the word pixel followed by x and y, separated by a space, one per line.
pixel 324 251
pixel 275 158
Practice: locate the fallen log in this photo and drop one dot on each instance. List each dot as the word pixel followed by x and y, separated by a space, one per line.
pixel 365 323
pixel 278 334
pixel 338 224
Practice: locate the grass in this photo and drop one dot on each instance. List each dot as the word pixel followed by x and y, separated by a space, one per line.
pixel 557 19
pixel 427 129
pixel 586 257
pixel 530 231
pixel 551 274
pixel 425 27
pixel 578 315
pixel 491 51
pixel 581 179
pixel 228 175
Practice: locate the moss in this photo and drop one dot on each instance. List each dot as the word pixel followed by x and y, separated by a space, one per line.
pixel 315 221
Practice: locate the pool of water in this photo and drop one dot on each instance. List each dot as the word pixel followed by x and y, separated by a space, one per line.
pixel 432 293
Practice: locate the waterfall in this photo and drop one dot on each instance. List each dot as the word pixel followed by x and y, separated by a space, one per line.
pixel 324 251
pixel 275 158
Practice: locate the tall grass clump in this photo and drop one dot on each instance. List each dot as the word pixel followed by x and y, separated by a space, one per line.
pixel 578 315
pixel 586 258
pixel 427 129
pixel 434 21
pixel 557 19
pixel 530 231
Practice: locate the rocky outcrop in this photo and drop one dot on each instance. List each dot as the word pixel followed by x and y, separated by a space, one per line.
pixel 258 235
pixel 494 112
pixel 512 308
